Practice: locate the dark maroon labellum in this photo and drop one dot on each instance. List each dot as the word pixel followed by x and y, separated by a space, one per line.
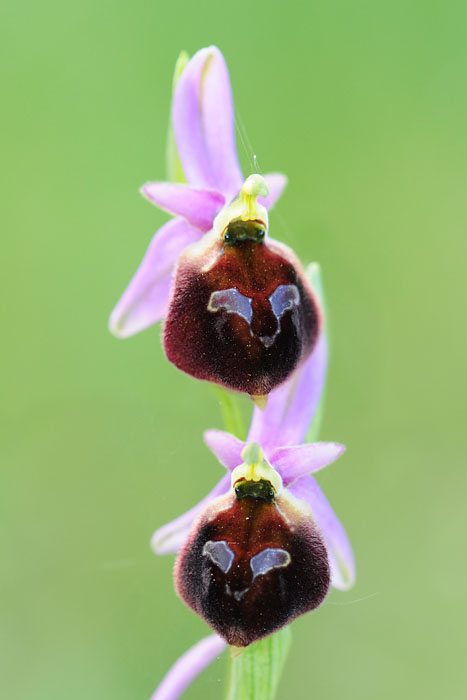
pixel 253 566
pixel 245 320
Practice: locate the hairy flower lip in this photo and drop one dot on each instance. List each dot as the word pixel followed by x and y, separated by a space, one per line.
pixel 257 338
pixel 252 564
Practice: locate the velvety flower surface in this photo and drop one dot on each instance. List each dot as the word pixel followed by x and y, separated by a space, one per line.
pixel 280 430
pixel 239 310
pixel 254 559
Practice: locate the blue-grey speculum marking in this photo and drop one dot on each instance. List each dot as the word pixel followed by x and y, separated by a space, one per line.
pixel 284 298
pixel 223 557
pixel 220 554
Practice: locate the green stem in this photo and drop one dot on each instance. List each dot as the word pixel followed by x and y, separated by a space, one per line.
pixel 231 412
pixel 255 673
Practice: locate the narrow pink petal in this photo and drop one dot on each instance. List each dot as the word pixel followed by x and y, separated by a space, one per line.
pixel 341 558
pixel 188 667
pixel 204 124
pixel 146 298
pixel 198 207
pixel 294 462
pixel 291 407
pixel 276 183
pixel 169 538
pixel 226 447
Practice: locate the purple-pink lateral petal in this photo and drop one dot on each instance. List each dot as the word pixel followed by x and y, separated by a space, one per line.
pixel 226 447
pixel 291 407
pixel 341 558
pixel 204 124
pixel 198 207
pixel 276 183
pixel 294 462
pixel 188 667
pixel 169 538
pixel 146 298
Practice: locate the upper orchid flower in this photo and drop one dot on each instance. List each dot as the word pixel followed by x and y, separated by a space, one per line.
pixel 239 309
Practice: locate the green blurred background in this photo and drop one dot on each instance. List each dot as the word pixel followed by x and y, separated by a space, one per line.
pixel 364 106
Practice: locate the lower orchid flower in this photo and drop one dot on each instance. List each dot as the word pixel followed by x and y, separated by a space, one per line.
pixel 239 310
pixel 254 558
pixel 265 545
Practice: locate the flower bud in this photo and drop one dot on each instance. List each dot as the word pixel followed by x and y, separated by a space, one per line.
pixel 253 562
pixel 242 313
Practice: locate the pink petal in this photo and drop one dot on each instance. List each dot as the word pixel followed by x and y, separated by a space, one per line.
pixel 146 298
pixel 198 207
pixel 188 667
pixel 294 462
pixel 169 538
pixel 291 407
pixel 340 552
pixel 276 183
pixel 226 447
pixel 204 124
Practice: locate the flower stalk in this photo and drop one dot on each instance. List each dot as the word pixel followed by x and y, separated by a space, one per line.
pixel 254 674
pixel 231 412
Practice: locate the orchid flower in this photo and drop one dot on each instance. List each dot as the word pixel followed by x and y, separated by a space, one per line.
pixel 239 309
pixel 278 433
